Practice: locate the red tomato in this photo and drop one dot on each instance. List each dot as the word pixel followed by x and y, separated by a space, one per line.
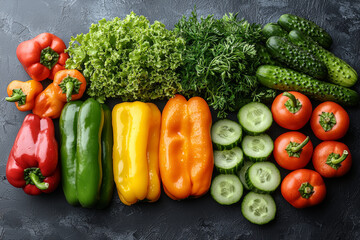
pixel 292 150
pixel 332 159
pixel 291 110
pixel 329 121
pixel 303 188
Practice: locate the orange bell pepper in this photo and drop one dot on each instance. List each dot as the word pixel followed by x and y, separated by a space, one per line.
pixel 67 85
pixel 23 93
pixel 185 155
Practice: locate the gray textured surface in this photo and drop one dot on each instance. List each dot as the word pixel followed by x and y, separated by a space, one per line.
pixel 50 217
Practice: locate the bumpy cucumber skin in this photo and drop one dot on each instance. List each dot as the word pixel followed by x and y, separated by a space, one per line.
pixel 295 57
pixel 339 72
pixel 291 22
pixel 289 80
pixel 251 185
pixel 274 29
pixel 265 57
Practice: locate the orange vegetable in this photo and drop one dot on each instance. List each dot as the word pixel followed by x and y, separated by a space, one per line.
pixel 23 93
pixel 186 155
pixel 47 103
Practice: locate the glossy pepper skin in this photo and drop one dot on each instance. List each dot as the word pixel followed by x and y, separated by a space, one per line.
pixel 303 188
pixel 68 85
pixel 135 153
pixel 33 160
pixel 332 159
pixel 42 56
pixel 86 153
pixel 186 155
pixel 23 94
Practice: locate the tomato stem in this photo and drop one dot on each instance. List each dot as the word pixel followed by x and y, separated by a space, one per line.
pixel 341 158
pixel 306 190
pixel 301 145
pixel 292 98
pixel 293 105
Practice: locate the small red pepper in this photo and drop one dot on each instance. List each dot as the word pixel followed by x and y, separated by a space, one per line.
pixel 33 160
pixel 42 56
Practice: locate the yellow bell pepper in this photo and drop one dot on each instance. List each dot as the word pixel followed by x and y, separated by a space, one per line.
pixel 136 151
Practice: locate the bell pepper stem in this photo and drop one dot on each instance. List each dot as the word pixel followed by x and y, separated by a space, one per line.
pixel 341 158
pixel 291 97
pixel 69 90
pixel 48 57
pixel 299 147
pixel 36 181
pixel 14 98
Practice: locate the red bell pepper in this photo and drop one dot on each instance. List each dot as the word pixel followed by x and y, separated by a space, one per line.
pixel 42 56
pixel 33 160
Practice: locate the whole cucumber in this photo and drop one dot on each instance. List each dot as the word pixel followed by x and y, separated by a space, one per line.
pixel 68 136
pixel 291 22
pixel 289 80
pixel 264 56
pixel 339 72
pixel 88 155
pixel 274 29
pixel 295 57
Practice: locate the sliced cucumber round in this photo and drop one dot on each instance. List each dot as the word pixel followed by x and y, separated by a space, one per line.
pixel 257 148
pixel 255 118
pixel 226 134
pixel 242 172
pixel 226 189
pixel 229 161
pixel 258 208
pixel 263 177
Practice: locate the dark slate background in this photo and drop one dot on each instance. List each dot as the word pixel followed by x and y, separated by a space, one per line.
pixel 51 217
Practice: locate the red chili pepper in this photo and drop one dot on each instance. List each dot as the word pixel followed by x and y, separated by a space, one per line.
pixel 33 160
pixel 332 159
pixel 42 56
pixel 303 188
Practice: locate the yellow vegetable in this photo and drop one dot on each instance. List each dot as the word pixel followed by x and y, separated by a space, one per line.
pixel 136 151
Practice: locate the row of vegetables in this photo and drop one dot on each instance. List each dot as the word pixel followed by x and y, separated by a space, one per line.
pixel 139 148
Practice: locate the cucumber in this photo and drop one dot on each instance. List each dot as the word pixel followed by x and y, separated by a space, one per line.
pixel 274 29
pixel 229 161
pixel 291 22
pixel 255 118
pixel 289 80
pixel 339 72
pixel 258 208
pixel 226 189
pixel 257 148
pixel 295 57
pixel 226 134
pixel 263 177
pixel 242 172
pixel 265 57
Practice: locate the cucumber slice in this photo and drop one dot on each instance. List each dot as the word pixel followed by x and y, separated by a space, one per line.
pixel 242 172
pixel 255 118
pixel 226 189
pixel 226 134
pixel 258 208
pixel 257 148
pixel 263 177
pixel 229 161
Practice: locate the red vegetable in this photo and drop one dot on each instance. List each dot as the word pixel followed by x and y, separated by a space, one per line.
pixel 291 110
pixel 33 160
pixel 292 150
pixel 42 56
pixel 303 188
pixel 329 121
pixel 332 159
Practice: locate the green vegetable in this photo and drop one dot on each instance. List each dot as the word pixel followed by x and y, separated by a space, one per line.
pixel 258 208
pixel 339 72
pixel 295 57
pixel 226 189
pixel 263 177
pixel 226 134
pixel 273 29
pixel 220 61
pixel 229 161
pixel 265 57
pixel 289 80
pixel 128 58
pixel 291 22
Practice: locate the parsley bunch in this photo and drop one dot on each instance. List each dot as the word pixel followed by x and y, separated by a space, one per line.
pixel 220 61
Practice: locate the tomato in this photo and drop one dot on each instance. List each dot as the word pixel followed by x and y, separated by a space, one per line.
pixel 332 159
pixel 292 150
pixel 303 188
pixel 329 121
pixel 291 110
